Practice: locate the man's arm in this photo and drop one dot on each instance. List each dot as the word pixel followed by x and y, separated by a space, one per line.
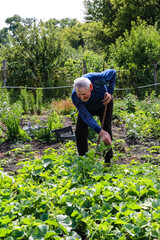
pixel 106 138
pixel 107 98
pixel 107 77
pixel 85 115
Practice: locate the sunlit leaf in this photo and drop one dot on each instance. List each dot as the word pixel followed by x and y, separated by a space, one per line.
pixel 64 222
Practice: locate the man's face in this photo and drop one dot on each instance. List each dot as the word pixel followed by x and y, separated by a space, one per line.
pixel 83 93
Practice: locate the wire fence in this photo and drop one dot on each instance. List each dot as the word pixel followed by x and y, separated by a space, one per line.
pixel 61 87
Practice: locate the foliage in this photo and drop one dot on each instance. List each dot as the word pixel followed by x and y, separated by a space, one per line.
pixel 28 101
pixel 130 103
pixel 90 36
pixel 11 118
pixel 39 52
pixel 118 15
pixel 54 53
pixel 45 56
pixel 44 132
pixel 31 102
pixel 63 107
pixel 4 98
pixel 135 55
pixel 32 54
pixel 24 100
pixel 141 118
pixel 64 196
pixel 82 63
pixel 39 98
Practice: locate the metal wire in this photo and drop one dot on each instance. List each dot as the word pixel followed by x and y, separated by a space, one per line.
pixel 45 88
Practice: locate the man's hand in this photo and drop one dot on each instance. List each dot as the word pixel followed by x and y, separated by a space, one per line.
pixel 107 98
pixel 105 137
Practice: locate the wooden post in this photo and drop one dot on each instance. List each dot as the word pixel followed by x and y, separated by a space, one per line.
pixel 155 75
pixel 4 73
pixel 104 65
pixel 84 66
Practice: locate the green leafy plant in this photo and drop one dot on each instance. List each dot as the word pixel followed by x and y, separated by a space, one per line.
pixel 44 132
pixel 24 98
pixel 63 106
pixel 39 98
pixel 4 99
pixel 11 118
pixel 64 196
pixel 130 103
pixel 31 100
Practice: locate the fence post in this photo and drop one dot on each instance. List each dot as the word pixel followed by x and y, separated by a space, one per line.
pixel 4 73
pixel 155 75
pixel 104 65
pixel 84 66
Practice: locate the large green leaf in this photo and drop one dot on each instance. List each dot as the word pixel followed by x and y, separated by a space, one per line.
pixel 65 223
pixel 3 232
pixel 47 162
pixel 39 232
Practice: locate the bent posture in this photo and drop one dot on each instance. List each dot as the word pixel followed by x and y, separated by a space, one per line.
pixel 90 94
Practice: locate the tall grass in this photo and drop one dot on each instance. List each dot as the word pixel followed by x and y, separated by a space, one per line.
pixel 63 106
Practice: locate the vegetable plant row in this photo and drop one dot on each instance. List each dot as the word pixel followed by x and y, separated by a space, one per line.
pixel 64 196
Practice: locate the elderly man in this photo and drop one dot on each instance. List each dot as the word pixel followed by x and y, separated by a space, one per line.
pixel 91 93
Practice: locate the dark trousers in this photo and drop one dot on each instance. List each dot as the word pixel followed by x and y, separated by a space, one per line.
pixel 81 131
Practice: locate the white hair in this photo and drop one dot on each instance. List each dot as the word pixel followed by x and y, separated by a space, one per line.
pixel 82 82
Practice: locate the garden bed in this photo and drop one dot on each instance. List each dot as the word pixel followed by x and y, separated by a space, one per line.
pixel 130 149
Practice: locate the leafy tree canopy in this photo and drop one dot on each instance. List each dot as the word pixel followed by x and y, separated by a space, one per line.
pixel 135 54
pixel 118 14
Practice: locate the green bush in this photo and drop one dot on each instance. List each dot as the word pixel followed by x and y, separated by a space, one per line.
pixel 4 98
pixel 31 100
pixel 24 98
pixel 130 103
pixel 45 132
pixel 39 98
pixel 11 118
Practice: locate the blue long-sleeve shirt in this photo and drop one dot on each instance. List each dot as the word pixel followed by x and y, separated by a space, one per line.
pixel 102 82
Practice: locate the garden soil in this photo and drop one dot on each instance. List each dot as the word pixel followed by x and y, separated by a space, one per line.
pixel 129 150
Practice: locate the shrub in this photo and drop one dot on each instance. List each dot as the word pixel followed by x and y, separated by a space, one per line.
pixel 24 100
pixel 63 106
pixel 10 118
pixel 31 103
pixel 39 98
pixel 131 103
pixel 45 131
pixel 4 98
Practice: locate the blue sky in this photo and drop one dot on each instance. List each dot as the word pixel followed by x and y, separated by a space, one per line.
pixel 39 9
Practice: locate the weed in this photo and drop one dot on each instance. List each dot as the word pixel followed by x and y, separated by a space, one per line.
pixel 63 106
pixel 11 119
pixel 39 98
pixel 24 98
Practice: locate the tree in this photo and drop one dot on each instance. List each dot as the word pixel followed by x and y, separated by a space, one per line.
pixel 74 35
pixel 67 22
pixel 99 10
pixel 62 23
pixel 32 56
pixel 136 54
pixel 91 36
pixel 3 36
pixel 14 23
pixel 117 15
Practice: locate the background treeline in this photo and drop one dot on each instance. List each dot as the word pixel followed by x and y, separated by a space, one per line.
pixel 123 35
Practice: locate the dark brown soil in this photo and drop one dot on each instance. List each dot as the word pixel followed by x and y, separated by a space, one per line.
pixel 127 150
